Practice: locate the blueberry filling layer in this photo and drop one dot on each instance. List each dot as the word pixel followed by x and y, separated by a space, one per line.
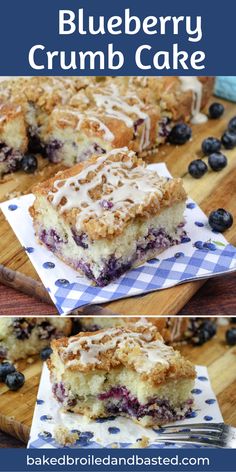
pixel 51 239
pixel 35 145
pixel 93 148
pixel 164 127
pixel 80 238
pixel 46 330
pixel 11 157
pixel 22 328
pixel 113 268
pixel 52 151
pixel 3 353
pixel 119 400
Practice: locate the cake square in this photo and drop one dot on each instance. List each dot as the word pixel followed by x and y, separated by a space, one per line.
pixel 121 371
pixel 108 215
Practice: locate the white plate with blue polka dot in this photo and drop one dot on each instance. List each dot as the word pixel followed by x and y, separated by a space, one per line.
pixel 113 431
pixel 202 253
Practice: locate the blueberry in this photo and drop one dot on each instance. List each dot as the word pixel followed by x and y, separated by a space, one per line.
pixel 231 336
pixel 216 110
pixel 201 337
pixel 232 125
pixel 45 353
pixel 217 161
pixel 29 163
pixel 220 220
pixel 5 369
pixel 210 145
pixel 228 140
pixel 15 380
pixel 210 327
pixel 180 134
pixel 197 168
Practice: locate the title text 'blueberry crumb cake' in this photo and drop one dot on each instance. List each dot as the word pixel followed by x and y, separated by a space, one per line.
pixel 109 214
pixel 121 371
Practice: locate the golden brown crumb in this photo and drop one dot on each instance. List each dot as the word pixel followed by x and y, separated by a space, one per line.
pixel 142 442
pixel 30 360
pixel 64 437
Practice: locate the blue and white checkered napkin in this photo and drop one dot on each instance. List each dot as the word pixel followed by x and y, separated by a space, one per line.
pixel 111 432
pixel 202 254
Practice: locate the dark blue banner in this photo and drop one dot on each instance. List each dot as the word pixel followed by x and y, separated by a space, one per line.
pixel 91 37
pixel 107 460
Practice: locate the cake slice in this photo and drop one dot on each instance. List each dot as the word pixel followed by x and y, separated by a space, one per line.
pixel 172 329
pixel 98 119
pixel 175 329
pixel 121 371
pixel 108 215
pixel 23 337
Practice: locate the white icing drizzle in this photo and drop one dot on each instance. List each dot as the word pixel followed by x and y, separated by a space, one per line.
pixel 115 107
pixel 83 116
pixel 143 352
pixel 122 185
pixel 193 84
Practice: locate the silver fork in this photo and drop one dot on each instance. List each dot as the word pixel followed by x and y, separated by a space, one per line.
pixel 202 434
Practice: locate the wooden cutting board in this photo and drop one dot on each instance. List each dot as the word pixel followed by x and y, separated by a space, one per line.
pixel 214 190
pixel 16 408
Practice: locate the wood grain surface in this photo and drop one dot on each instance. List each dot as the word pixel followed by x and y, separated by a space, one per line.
pixel 214 190
pixel 16 408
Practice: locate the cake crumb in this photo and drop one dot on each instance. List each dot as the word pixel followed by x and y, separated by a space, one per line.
pixel 115 446
pixel 141 442
pixel 30 360
pixel 64 437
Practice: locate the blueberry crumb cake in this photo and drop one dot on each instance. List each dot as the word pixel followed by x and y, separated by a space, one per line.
pixel 108 215
pixel 23 337
pixel 120 371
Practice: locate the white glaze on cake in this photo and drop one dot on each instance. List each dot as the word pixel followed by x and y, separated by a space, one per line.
pixel 124 186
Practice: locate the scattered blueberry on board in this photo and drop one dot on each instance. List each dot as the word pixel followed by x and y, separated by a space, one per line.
pixel 204 333
pixel 29 163
pixel 231 336
pixel 217 161
pixel 220 220
pixel 197 168
pixel 9 375
pixel 180 134
pixel 5 369
pixel 45 353
pixel 232 125
pixel 210 145
pixel 15 380
pixel 228 140
pixel 215 110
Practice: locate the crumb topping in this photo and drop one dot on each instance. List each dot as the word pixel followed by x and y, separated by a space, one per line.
pixel 142 350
